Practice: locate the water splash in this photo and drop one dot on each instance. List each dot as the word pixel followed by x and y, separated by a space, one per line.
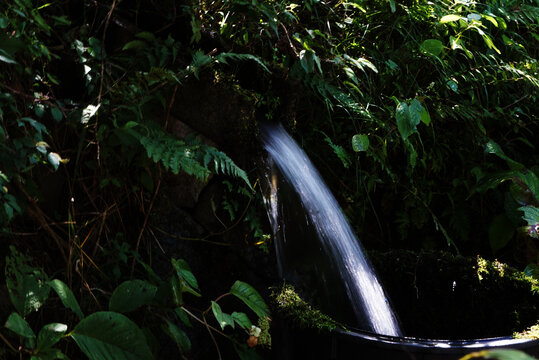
pixel 338 240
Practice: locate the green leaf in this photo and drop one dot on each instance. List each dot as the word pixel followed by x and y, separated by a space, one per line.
pixel 449 18
pixel 432 47
pixel 56 114
pixel 506 354
pixel 19 326
pixel 222 318
pixel 187 279
pixel 50 334
pixel 531 215
pixel 131 294
pixel 182 315
pixel 242 320
pixel 500 232
pixel 405 123
pixel 360 142
pixel 5 57
pixel 493 148
pixel 66 296
pixel 111 336
pixel 54 159
pixel 179 336
pixel 135 45
pixel 250 297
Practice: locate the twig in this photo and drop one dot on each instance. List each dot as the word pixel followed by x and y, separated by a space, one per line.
pixel 8 343
pixel 35 212
pixel 148 212
pixel 102 73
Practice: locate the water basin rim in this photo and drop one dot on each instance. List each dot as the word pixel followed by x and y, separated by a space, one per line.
pixel 496 342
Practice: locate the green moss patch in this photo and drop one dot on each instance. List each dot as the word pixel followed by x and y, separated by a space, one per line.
pixel 293 308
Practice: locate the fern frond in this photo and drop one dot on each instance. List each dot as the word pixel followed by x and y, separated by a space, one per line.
pixel 224 164
pixel 189 156
pixel 224 57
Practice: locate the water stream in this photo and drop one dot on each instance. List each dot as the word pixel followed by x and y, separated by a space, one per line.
pixel 339 243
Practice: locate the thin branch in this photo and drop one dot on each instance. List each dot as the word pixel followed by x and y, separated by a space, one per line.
pixel 8 343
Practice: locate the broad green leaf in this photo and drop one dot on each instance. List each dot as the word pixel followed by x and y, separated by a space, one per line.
pixel 242 320
pixel 19 326
pixel 50 334
pixel 500 232
pixel 66 296
pixel 404 122
pixel 131 294
pixel 360 142
pixel 111 336
pixel 449 18
pixel 432 47
pixel 531 215
pixel 179 336
pixel 250 297
pixel 416 110
pixel 222 318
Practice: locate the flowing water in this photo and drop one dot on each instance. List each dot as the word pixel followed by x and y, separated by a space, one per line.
pixel 338 241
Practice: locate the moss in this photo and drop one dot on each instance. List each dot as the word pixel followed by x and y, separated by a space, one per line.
pixel 264 339
pixel 293 308
pixel 530 333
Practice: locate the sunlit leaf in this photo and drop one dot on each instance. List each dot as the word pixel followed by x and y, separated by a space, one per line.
pixel 432 47
pixel 250 297
pixel 449 18
pixel 360 142
pixel 50 334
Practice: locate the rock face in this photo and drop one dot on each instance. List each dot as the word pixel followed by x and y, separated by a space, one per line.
pixel 213 108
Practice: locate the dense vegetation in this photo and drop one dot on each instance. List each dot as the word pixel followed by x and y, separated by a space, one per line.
pixel 420 115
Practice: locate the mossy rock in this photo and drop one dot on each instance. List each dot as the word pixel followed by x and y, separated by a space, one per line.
pixel 438 295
